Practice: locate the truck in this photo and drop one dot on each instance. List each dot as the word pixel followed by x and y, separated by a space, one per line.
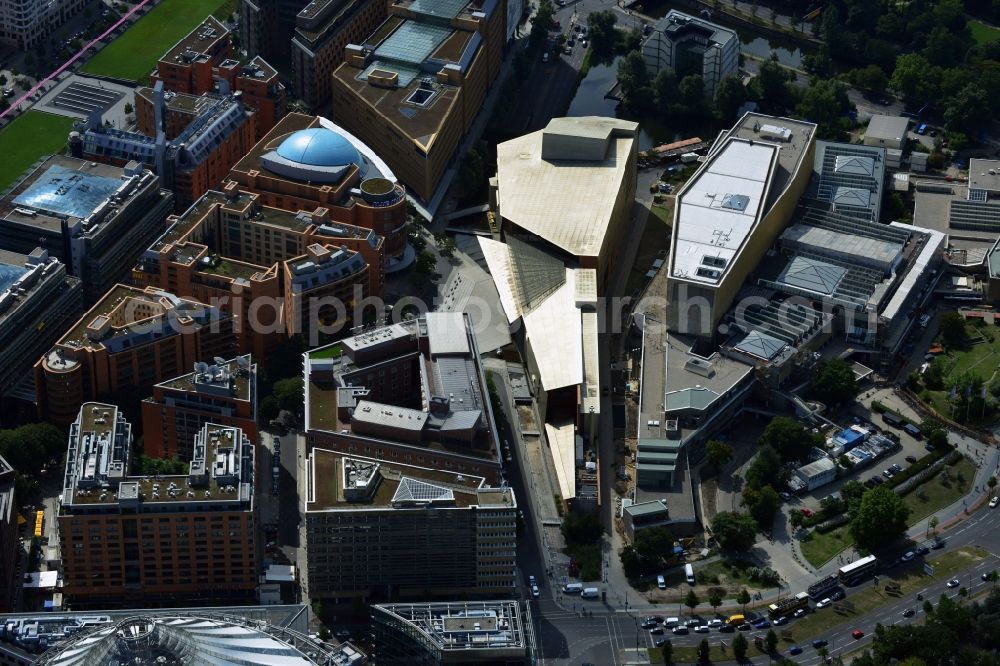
pixel 573 588
pixel 689 574
pixel 590 593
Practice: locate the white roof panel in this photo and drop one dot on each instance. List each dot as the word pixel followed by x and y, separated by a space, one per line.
pixel 719 208
pixel 559 357
pixel 562 443
pixel 446 333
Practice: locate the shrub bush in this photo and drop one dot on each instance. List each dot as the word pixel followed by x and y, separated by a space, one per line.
pixel 878 407
pixel 833 523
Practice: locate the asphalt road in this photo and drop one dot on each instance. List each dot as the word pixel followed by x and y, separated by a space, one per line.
pixel 565 636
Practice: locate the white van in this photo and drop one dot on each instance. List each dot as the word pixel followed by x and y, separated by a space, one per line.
pixel 689 574
pixel 590 593
pixel 671 622
pixel 573 588
pixel 661 582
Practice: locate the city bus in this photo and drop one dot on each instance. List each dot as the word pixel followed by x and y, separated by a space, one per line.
pixel 819 589
pixel 788 606
pixel 858 571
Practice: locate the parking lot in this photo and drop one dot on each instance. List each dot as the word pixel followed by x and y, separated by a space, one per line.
pixel 910 449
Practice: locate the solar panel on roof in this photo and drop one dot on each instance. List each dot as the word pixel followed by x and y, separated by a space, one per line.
pixel 63 191
pixel 412 43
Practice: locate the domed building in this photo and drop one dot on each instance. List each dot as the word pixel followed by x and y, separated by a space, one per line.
pixel 194 640
pixel 307 162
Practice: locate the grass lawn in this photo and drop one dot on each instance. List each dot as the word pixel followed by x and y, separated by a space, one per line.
pixel 655 239
pixel 866 597
pixel 932 495
pixel 26 139
pixel 819 549
pixel 982 360
pixel 334 351
pixel 133 55
pixel 938 491
pixel 727 574
pixel 982 33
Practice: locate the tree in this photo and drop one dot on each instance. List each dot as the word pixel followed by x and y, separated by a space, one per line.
pixel 938 438
pixel 852 491
pixel 944 48
pixel 632 564
pixel 715 598
pixel 602 32
pixel 31 447
pixel 583 528
pixel 665 90
pixel 771 86
pixel 743 598
pixel 635 82
pixel 763 504
pixel 795 518
pixel 691 600
pixel 765 469
pixel 704 652
pixel 835 383
pixel 691 95
pixel 992 482
pixel 790 439
pixel 969 110
pixel 951 326
pixel 653 543
pixel 916 79
pixel 718 453
pixel 730 95
pixel 426 263
pixel 667 650
pixel 880 518
pixel 734 531
pixel 129 108
pixel 290 394
pixel 932 525
pixel 472 171
pixel 825 102
pixel 740 648
pixel 770 641
pixel 541 24
pixel 870 79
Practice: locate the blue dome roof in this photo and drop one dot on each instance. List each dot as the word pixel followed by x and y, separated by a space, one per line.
pixel 319 146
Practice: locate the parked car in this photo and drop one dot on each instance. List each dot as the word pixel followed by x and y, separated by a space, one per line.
pixel 746 626
pixel 908 556
pixel 806 512
pixel 837 595
pixel 820 642
pixel 661 582
pixel 994 502
pixel 660 642
pixel 702 629
pixel 781 621
pixel 658 630
pixel 824 603
pixel 911 459
pixel 716 622
pixel 762 624
pixel 923 550
pixel 681 630
pixel 802 612
pixel 888 473
pixel 648 623
pixel 896 468
pixel 857 633
pixel 727 629
pixel 787 497
pixel 937 545
pixel 794 649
